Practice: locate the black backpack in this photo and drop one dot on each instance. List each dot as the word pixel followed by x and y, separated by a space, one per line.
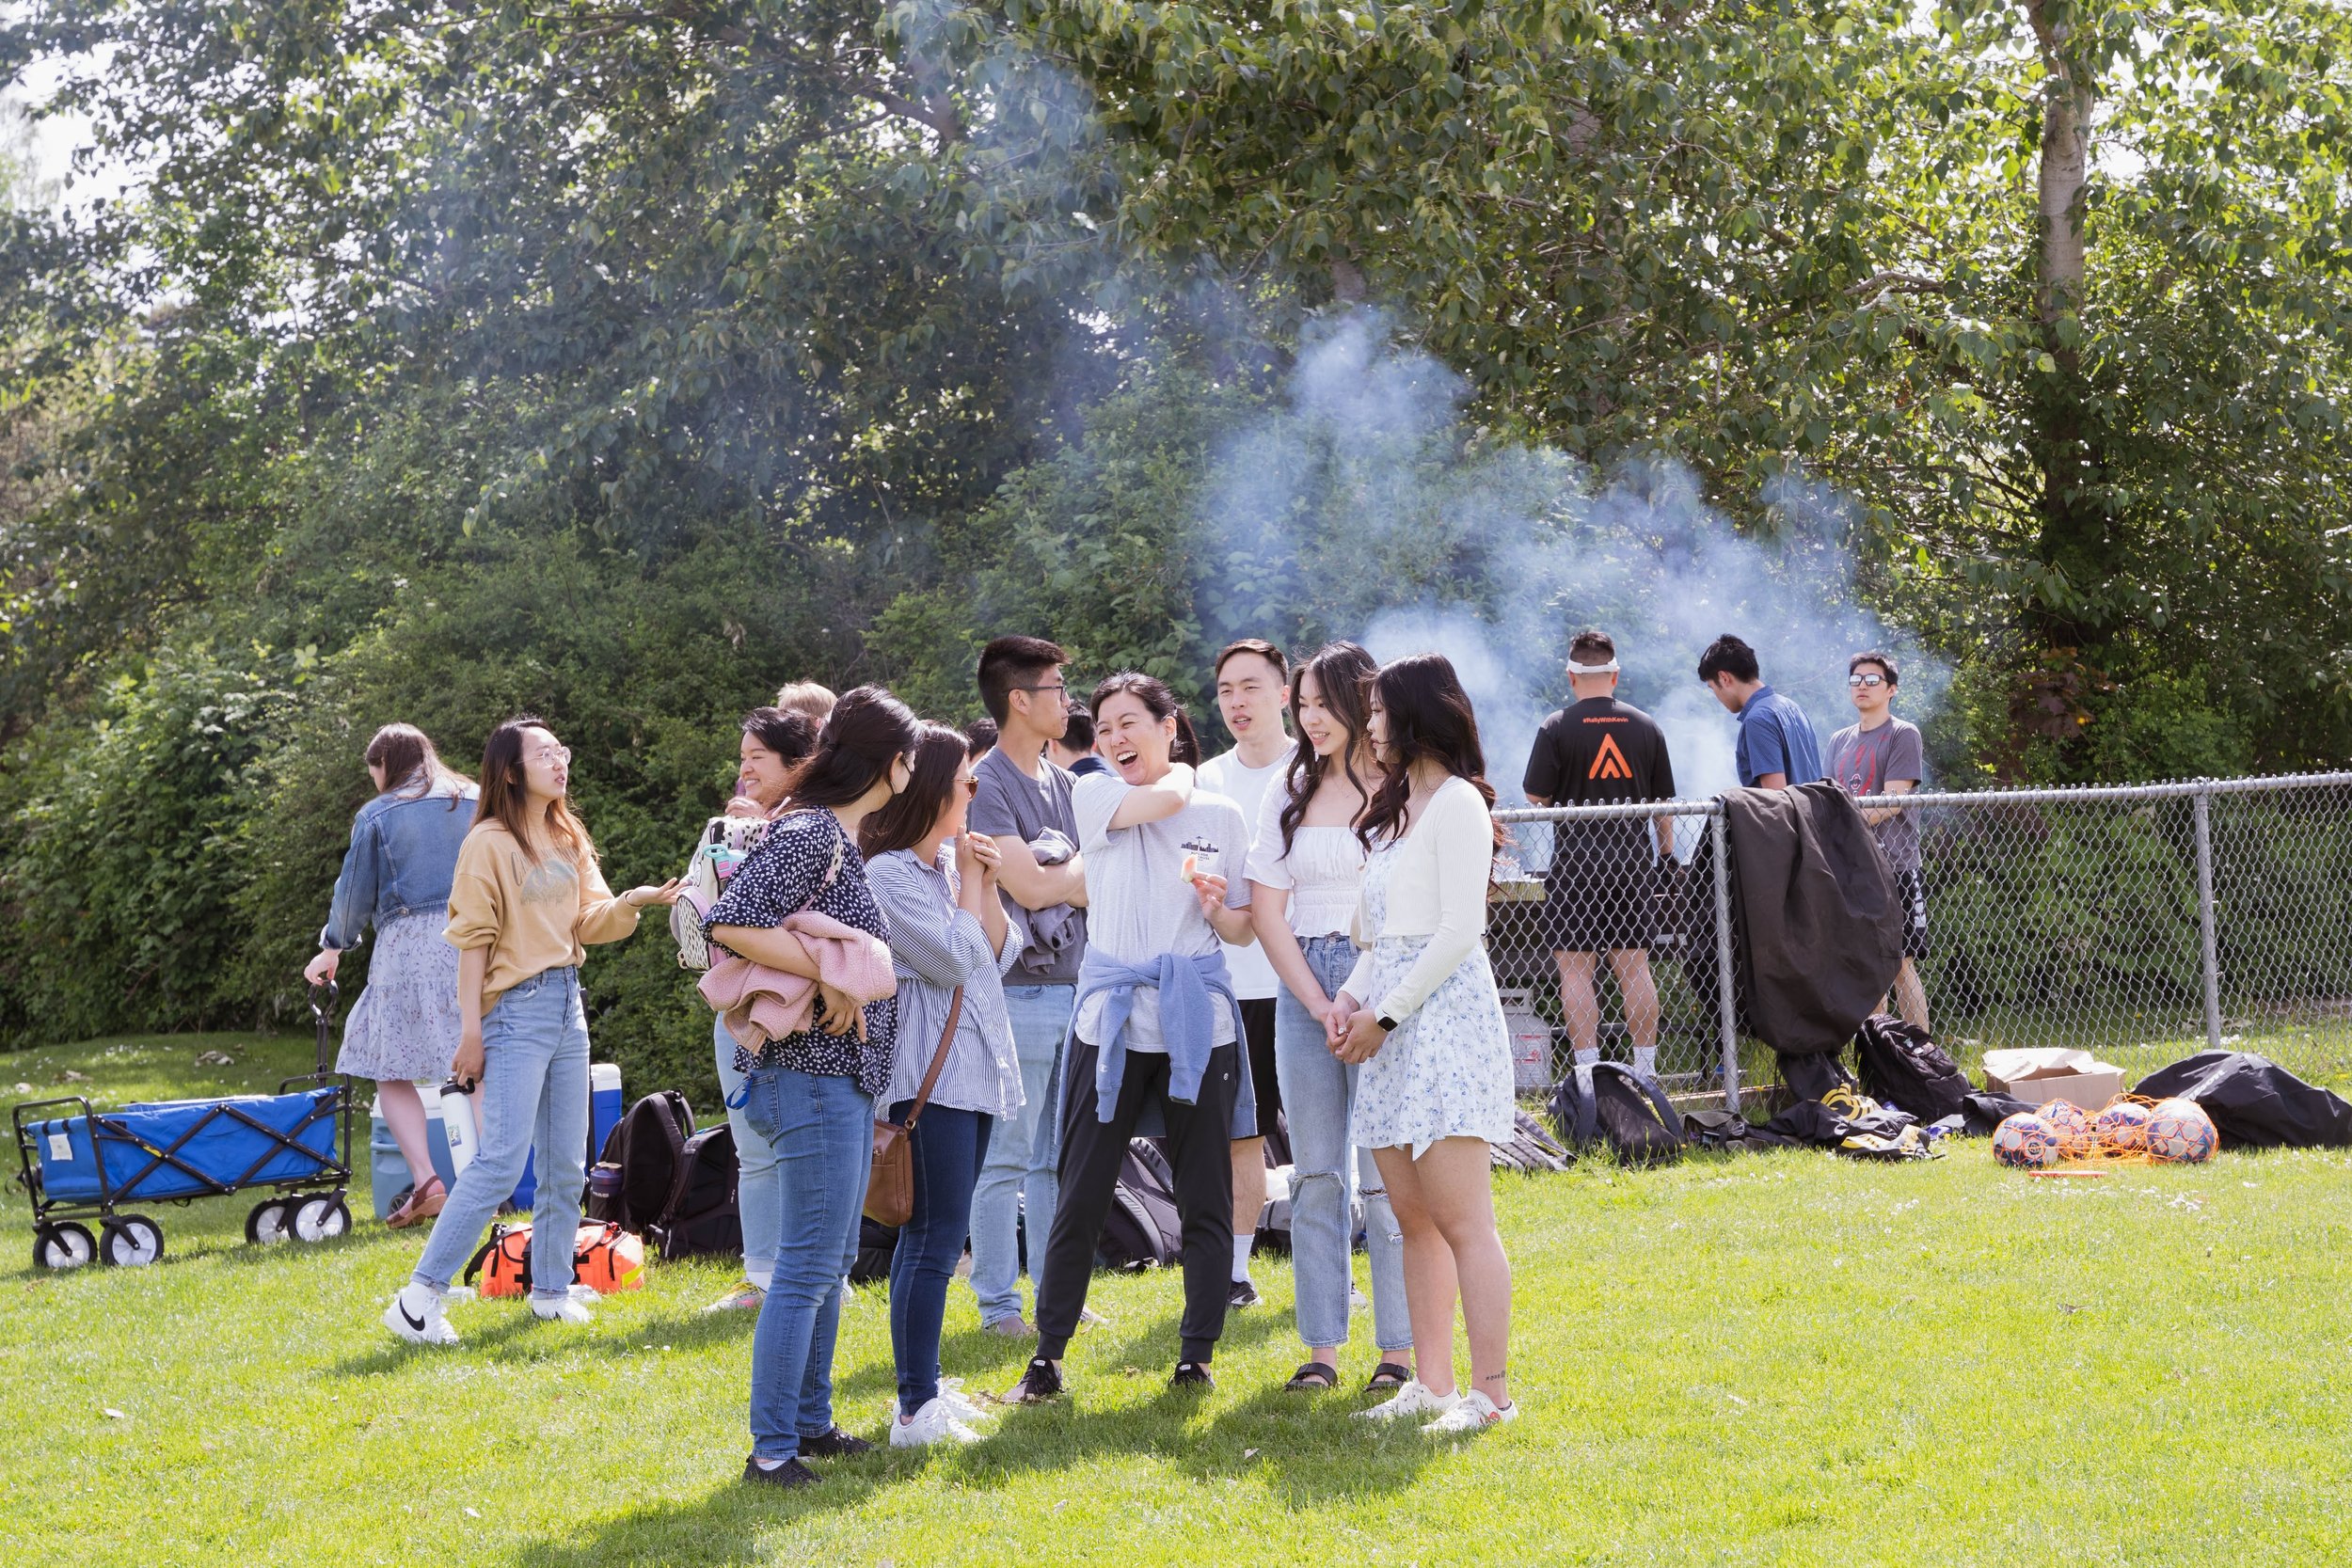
pixel 700 1220
pixel 670 1184
pixel 1903 1067
pixel 876 1244
pixel 1608 1103
pixel 638 1165
pixel 1143 1231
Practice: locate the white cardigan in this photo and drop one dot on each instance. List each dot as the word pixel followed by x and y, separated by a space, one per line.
pixel 1437 889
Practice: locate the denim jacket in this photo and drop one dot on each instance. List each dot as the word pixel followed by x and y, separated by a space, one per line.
pixel 402 860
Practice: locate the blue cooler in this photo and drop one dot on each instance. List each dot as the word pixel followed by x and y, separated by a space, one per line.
pixel 391 1172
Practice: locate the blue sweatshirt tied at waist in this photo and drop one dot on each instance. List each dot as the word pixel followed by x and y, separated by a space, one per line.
pixel 1188 988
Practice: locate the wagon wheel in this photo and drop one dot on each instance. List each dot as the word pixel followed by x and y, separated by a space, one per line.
pixel 268 1224
pixel 322 1218
pixel 131 1240
pixel 65 1244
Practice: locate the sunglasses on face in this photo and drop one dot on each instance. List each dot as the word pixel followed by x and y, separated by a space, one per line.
pixel 1870 678
pixel 968 783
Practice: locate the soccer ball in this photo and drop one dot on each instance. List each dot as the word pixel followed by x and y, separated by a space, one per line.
pixel 2073 1128
pixel 2026 1141
pixel 2123 1128
pixel 2180 1129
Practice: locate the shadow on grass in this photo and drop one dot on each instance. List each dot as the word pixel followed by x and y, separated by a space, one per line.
pixel 1308 1449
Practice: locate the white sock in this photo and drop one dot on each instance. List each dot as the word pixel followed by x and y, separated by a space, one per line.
pixel 769 1463
pixel 1241 1256
pixel 1646 1060
pixel 1588 1057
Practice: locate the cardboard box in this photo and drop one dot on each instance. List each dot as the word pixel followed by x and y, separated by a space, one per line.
pixel 2040 1075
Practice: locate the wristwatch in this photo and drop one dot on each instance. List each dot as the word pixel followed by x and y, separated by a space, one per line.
pixel 1388 1024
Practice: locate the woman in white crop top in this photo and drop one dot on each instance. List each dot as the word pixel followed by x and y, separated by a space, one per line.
pixel 1420 1011
pixel 1305 875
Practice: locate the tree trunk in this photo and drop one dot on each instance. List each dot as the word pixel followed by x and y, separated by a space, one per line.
pixel 2074 537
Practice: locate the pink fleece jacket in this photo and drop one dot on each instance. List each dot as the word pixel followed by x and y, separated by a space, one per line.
pixel 760 1003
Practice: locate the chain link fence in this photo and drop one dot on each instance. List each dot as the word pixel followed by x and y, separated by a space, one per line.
pixel 2142 923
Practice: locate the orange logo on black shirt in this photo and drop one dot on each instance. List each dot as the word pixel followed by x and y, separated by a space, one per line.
pixel 1608 763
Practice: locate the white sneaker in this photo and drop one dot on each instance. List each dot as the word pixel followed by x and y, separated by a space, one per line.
pixel 1356 1300
pixel 416 1315
pixel 1414 1398
pixel 959 1404
pixel 587 1295
pixel 1473 1412
pixel 564 1310
pixel 934 1424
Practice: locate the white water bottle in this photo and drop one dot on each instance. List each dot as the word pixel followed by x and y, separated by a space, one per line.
pixel 459 1123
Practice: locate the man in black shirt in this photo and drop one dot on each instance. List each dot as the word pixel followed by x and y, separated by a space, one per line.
pixel 1601 892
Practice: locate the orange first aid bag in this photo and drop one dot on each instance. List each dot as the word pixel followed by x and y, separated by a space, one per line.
pixel 605 1257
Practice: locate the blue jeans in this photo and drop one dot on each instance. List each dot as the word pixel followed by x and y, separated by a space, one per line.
pixel 1022 1151
pixel 1318 1092
pixel 758 1185
pixel 949 1146
pixel 534 1095
pixel 821 1126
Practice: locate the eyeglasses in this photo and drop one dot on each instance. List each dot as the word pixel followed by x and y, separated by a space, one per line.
pixel 551 756
pixel 1867 678
pixel 1058 686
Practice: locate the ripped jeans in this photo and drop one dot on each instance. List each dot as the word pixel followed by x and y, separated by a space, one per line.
pixel 1318 1093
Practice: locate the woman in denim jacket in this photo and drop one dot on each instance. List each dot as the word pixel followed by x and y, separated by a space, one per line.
pixel 396 875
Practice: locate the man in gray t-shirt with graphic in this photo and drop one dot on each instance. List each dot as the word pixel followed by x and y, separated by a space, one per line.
pixel 1022 801
pixel 1883 755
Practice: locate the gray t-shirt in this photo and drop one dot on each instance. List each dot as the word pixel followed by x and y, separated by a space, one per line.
pixel 1010 804
pixel 1863 760
pixel 1138 903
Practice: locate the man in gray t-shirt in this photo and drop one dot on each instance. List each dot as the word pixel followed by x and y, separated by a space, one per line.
pixel 1023 802
pixel 1883 755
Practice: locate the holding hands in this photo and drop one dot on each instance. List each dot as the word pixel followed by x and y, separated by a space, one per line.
pixel 1353 1031
pixel 977 858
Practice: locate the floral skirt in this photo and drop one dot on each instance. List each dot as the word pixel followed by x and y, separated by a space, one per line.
pixel 404 1025
pixel 1446 1072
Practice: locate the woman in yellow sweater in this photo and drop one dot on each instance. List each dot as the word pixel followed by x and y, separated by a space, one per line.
pixel 527 900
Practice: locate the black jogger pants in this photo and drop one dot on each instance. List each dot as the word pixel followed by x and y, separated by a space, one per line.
pixel 1199 1153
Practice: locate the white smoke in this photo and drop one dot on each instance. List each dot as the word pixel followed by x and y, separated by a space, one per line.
pixel 1413 532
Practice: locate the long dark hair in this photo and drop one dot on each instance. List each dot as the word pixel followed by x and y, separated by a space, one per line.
pixel 1158 701
pixel 506 799
pixel 412 768
pixel 867 730
pixel 1429 716
pixel 906 818
pixel 1341 671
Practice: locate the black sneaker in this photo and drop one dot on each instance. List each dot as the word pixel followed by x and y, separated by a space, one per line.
pixel 791 1473
pixel 1191 1374
pixel 1040 1383
pixel 1244 1293
pixel 834 1443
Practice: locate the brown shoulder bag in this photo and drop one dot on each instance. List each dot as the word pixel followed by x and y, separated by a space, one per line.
pixel 890 1190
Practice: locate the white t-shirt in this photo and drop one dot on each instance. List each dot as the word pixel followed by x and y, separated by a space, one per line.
pixel 1247 787
pixel 1139 905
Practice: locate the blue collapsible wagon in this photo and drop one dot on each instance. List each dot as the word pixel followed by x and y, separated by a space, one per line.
pixel 93 1164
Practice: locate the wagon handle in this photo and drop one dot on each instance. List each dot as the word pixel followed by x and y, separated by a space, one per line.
pixel 323 996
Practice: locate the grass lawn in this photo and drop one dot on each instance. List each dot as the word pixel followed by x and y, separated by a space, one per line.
pixel 1758 1358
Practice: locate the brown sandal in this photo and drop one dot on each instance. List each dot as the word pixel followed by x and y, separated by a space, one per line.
pixel 1387 1377
pixel 422 1203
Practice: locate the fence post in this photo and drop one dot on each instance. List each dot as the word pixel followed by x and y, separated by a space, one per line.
pixel 2201 803
pixel 1726 998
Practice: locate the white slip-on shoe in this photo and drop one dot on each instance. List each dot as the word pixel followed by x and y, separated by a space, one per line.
pixel 934 1424
pixel 1475 1412
pixel 959 1403
pixel 587 1295
pixel 560 1309
pixel 1414 1398
pixel 416 1315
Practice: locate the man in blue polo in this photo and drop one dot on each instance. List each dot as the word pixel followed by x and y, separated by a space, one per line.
pixel 1777 747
